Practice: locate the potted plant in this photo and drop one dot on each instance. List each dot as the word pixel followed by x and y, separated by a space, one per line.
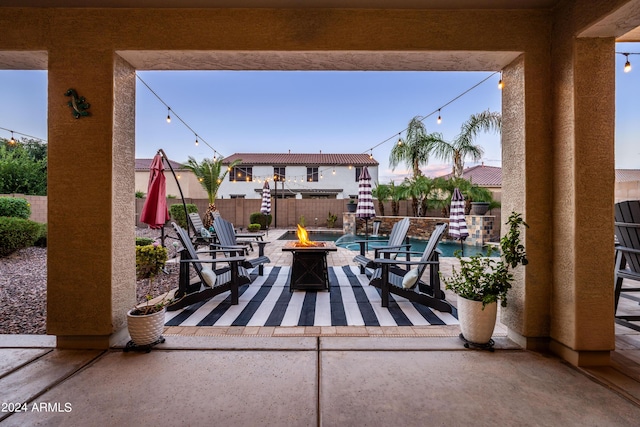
pixel 482 281
pixel 146 320
pixel 352 205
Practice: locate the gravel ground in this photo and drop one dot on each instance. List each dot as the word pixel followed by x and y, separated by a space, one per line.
pixel 23 287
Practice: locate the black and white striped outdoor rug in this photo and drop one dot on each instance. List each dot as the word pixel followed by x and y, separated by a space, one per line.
pixel 267 301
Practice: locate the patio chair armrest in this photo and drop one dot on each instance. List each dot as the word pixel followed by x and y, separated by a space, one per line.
pixel 628 224
pixel 387 249
pixel 216 260
pixel 382 261
pixel 400 252
pixel 211 251
pixel 629 250
pixel 225 247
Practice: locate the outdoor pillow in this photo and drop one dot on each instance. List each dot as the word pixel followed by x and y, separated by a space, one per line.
pixel 410 279
pixel 204 233
pixel 209 276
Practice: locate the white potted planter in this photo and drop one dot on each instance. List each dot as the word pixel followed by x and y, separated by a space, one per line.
pixel 145 329
pixel 476 323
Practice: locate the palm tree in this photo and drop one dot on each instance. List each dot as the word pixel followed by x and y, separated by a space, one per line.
pixel 414 150
pixel 463 146
pixel 210 174
pixel 382 193
pixel 418 188
pixel 396 195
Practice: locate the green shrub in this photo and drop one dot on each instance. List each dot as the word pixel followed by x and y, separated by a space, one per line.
pixel 260 218
pixel 41 241
pixel 17 233
pixel 15 207
pixel 150 260
pixel 140 194
pixel 254 227
pixel 177 213
pixel 144 241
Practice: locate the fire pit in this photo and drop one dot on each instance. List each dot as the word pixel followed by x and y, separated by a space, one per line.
pixel 309 267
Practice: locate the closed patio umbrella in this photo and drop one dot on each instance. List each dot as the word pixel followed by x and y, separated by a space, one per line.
pixel 265 208
pixel 457 223
pixel 365 209
pixel 155 212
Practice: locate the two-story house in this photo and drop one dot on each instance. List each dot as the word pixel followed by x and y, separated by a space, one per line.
pixel 298 175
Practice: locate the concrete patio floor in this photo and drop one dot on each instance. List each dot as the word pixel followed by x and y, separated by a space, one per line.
pixel 314 377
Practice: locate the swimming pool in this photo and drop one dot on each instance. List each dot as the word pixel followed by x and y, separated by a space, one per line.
pixel 348 241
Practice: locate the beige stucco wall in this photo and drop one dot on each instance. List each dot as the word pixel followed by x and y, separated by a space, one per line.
pixel 553 136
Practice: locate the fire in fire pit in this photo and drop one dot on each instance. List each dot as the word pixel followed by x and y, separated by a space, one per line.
pixel 303 239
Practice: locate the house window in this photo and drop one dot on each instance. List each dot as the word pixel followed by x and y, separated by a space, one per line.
pixel 279 174
pixel 236 196
pixel 312 174
pixel 241 173
pixel 358 172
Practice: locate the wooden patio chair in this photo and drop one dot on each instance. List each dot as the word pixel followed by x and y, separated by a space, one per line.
pixel 390 278
pixel 627 228
pixel 209 281
pixel 202 236
pixel 226 235
pixel 397 240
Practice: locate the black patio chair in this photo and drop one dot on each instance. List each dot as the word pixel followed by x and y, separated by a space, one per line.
pixel 227 239
pixel 627 228
pixel 209 281
pixel 391 279
pixel 397 240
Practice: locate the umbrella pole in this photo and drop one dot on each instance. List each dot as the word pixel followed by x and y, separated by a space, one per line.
pixel 186 213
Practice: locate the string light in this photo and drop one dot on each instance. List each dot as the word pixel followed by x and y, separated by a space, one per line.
pixel 500 82
pixel 196 140
pixel 13 141
pixel 439 117
pixel 399 139
pixel 627 65
pixel 168 115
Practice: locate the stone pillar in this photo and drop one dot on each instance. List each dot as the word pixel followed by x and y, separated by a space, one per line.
pixel 91 211
pixel 348 223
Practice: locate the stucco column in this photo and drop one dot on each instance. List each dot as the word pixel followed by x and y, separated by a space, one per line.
pixel 91 273
pixel 527 186
pixel 582 328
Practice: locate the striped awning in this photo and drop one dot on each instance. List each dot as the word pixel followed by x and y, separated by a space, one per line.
pixel 457 223
pixel 365 207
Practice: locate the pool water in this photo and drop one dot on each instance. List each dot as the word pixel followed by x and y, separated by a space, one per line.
pixel 348 241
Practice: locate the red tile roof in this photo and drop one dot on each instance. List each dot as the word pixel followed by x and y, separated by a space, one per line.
pixel 143 164
pixel 302 159
pixel 625 175
pixel 484 176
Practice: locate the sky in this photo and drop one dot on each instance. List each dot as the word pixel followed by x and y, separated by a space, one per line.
pixel 309 111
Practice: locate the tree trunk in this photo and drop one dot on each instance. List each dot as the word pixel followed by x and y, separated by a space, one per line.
pixel 207 221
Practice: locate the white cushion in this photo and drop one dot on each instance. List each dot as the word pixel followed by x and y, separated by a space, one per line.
pixel 410 279
pixel 209 276
pixel 205 233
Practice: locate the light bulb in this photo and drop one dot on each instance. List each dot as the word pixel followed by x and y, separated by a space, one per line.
pixel 168 115
pixel 439 117
pixel 196 142
pixel 13 141
pixel 500 83
pixel 627 66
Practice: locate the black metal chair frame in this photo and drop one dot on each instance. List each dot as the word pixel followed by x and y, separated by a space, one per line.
pixel 388 276
pixel 227 279
pixel 627 266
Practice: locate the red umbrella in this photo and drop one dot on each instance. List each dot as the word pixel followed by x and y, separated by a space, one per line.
pixel 154 211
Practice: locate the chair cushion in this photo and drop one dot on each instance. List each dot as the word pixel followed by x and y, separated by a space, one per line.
pixel 209 276
pixel 410 279
pixel 204 233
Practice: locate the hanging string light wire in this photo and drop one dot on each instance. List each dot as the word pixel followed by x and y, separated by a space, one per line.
pixel 198 137
pixel 437 110
pixel 23 134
